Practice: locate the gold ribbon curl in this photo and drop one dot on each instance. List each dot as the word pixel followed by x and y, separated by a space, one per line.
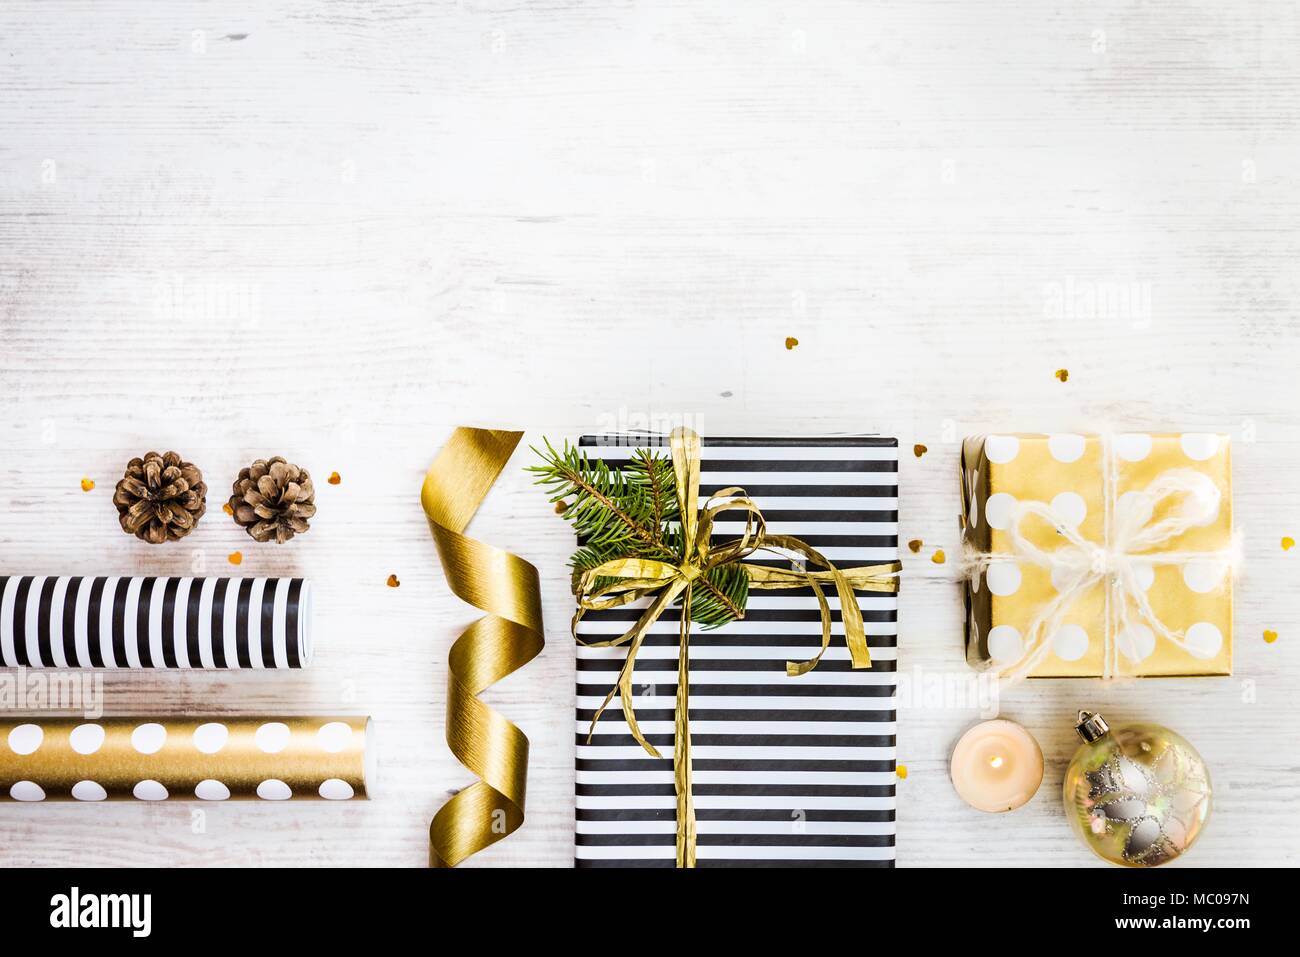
pixel 636 578
pixel 504 640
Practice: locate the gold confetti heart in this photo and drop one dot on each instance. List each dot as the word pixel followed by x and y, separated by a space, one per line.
pixel 791 342
pixel 393 582
pixel 938 557
pixel 1270 636
pixel 87 484
pixel 915 545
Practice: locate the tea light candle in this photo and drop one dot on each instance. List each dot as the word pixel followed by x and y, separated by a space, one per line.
pixel 996 766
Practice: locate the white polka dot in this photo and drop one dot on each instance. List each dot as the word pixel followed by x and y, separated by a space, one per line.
pixel 1005 644
pixel 1133 508
pixel 997 510
pixel 1066 447
pixel 1064 576
pixel 1146 574
pixel 273 790
pixel 973 512
pixel 1070 643
pixel 1137 642
pixel 336 789
pixel 334 737
pixel 272 737
pixel 27 791
pixel 89 791
pixel 1133 446
pixel 1203 576
pixel 1204 639
pixel 150 791
pixel 1070 508
pixel 1206 497
pixel 211 790
pixel 1199 445
pixel 211 737
pixel 25 738
pixel 1001 448
pixel 1003 578
pixel 86 738
pixel 149 738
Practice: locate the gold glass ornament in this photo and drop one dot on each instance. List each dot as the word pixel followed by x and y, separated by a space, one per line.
pixel 1137 794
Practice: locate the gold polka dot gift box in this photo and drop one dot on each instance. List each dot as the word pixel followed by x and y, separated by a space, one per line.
pixel 1098 556
pixel 215 758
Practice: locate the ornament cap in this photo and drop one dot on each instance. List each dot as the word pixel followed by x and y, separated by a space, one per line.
pixel 1091 726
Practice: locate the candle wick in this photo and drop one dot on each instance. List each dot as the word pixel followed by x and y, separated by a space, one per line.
pixel 996 761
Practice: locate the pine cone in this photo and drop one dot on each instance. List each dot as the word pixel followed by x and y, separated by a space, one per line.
pixel 160 498
pixel 273 499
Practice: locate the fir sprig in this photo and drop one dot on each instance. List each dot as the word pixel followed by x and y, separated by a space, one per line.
pixel 633 512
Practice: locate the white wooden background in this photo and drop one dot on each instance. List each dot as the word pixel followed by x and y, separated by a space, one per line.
pixel 335 230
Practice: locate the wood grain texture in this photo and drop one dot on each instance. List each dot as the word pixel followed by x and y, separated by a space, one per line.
pixel 336 230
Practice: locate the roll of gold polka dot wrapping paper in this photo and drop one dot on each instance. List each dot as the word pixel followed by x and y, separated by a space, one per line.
pixel 214 758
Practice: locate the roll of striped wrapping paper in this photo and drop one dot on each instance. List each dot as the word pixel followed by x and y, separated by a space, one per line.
pixel 216 758
pixel 795 772
pixel 154 622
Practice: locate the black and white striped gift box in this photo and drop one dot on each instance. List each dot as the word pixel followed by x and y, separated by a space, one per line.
pixel 788 772
pixel 154 622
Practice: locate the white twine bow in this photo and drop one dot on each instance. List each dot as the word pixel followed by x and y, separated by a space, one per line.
pixel 1129 542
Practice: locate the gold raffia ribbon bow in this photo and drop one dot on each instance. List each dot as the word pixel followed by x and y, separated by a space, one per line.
pixel 637 578
pixel 504 640
pixel 1132 536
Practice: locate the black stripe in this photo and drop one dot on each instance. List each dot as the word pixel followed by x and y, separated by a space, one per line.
pixel 674 614
pixel 243 592
pixel 193 614
pixel 215 622
pixel 744 740
pixel 723 638
pixel 824 541
pixel 92 622
pixel 291 622
pixel 44 611
pixel 119 621
pixel 143 602
pixel 799 515
pixel 738 840
pixel 586 715
pixel 20 621
pixel 792 690
pixel 4 586
pixel 656 440
pixel 706 665
pixel 838 765
pixel 775 490
pixel 169 622
pixel 777 466
pixel 738 790
pixel 269 588
pixel 70 624
pixel 669 862
pixel 733 814
pixel 716 639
